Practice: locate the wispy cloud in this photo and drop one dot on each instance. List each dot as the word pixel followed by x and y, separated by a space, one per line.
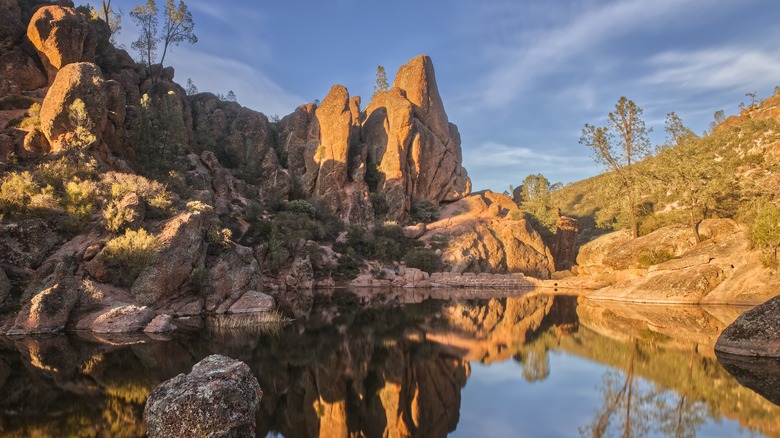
pixel 499 164
pixel 720 68
pixel 542 51
pixel 216 74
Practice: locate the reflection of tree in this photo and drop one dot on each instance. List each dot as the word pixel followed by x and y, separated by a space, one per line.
pixel 624 402
pixel 629 406
pixel 681 417
pixel 535 358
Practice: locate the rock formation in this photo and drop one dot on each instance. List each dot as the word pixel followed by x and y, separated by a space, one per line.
pixel 411 142
pixel 169 275
pixel 60 36
pixel 755 333
pixel 403 136
pixel 60 122
pixel 487 232
pixel 565 245
pixel 218 398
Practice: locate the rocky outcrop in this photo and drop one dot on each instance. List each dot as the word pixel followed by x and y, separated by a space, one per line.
pixel 565 245
pixel 241 140
pixel 402 147
pixel 411 142
pixel 48 302
pixel 82 81
pixel 218 398
pixel 160 324
pixel 723 269
pixel 123 319
pixel 755 333
pixel 486 232
pixel 61 36
pixel 19 73
pixel 169 274
pixel 11 26
pixel 253 302
pixel 26 244
pixel 231 275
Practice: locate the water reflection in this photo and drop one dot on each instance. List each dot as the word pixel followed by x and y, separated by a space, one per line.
pixel 397 366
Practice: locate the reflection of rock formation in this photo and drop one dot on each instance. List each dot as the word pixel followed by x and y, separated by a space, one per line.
pixel 386 372
pixel 759 374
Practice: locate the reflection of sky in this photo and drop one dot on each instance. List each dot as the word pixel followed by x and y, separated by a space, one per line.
pixel 498 402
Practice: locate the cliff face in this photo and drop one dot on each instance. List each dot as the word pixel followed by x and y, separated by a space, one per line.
pixel 403 134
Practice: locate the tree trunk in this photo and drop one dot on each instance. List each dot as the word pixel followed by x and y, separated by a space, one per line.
pixel 694 226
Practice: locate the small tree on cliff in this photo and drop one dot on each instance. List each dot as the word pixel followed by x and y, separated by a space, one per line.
pixel 381 81
pixel 535 194
pixel 178 27
pixel 618 146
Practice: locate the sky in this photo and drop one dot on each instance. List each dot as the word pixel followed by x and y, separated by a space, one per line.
pixel 520 78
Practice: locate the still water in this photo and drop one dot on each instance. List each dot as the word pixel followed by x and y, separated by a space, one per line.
pixel 479 365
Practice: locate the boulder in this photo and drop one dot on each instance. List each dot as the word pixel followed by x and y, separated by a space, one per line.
pixel 160 324
pixel 35 145
pixel 299 133
pixel 755 333
pixel 168 276
pixel 47 304
pixel 123 319
pixel 19 73
pixel 220 397
pixel 414 231
pixel 231 275
pixel 60 36
pixel 483 233
pixel 82 81
pixel 252 302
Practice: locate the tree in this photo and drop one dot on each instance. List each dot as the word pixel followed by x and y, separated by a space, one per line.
pixel 191 89
pixel 618 146
pixel 178 26
pixel 113 18
pixel 231 96
pixel 145 17
pixel 381 81
pixel 692 174
pixel 766 231
pixel 535 200
pixel 676 131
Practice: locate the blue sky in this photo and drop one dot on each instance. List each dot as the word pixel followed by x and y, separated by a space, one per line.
pixel 520 78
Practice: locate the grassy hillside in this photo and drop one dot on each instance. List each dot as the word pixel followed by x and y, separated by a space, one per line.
pixel 734 171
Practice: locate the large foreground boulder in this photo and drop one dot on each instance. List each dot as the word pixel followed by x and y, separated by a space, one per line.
pixel 755 333
pixel 218 398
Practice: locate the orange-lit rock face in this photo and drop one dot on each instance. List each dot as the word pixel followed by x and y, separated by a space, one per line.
pixel 60 36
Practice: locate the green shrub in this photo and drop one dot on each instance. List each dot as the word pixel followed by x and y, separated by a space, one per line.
pixel 70 166
pixel 116 218
pixel 20 194
pixel 424 259
pixel 425 211
pixel 303 207
pixel 650 257
pixel 154 194
pixel 348 266
pixel 131 253
pixel 80 198
pixel 765 233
